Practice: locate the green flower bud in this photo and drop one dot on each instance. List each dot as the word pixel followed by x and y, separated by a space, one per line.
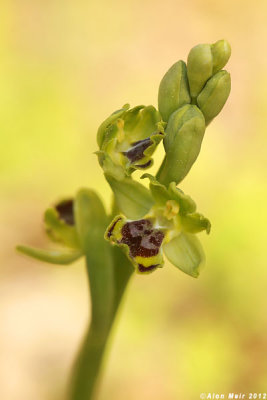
pixel 214 95
pixel 184 134
pixel 221 52
pixel 199 67
pixel 204 60
pixel 173 90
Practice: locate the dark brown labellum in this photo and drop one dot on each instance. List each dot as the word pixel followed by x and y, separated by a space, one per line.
pixel 136 152
pixel 65 211
pixel 141 238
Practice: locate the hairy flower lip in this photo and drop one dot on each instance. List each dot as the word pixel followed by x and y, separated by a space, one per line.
pixel 141 241
pixel 65 211
pixel 142 238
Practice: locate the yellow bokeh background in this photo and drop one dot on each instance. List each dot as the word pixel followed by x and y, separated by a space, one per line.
pixel 64 67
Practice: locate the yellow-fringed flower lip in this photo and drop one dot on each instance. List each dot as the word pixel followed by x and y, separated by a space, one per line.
pixel 141 241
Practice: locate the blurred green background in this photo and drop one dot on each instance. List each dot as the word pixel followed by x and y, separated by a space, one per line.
pixel 65 66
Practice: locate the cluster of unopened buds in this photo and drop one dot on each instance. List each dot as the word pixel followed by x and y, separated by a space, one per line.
pixel 147 222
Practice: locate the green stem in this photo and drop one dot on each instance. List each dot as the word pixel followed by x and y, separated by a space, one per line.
pixel 108 281
pixel 108 271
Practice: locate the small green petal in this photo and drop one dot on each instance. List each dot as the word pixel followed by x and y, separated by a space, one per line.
pixel 62 257
pixel 161 194
pixel 186 203
pixel 158 191
pixel 194 223
pixel 133 199
pixel 185 252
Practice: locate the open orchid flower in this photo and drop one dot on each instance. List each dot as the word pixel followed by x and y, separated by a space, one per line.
pixel 128 139
pixel 169 227
pixel 60 227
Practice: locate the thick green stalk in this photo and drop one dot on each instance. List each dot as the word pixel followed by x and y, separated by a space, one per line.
pixel 108 273
pixel 105 303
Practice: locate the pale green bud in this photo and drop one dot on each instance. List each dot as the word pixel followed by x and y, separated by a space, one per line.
pixel 214 95
pixel 205 60
pixel 221 52
pixel 199 67
pixel 184 134
pixel 173 90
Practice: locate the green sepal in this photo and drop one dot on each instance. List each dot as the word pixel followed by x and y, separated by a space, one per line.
pixel 133 199
pixel 194 223
pixel 102 130
pixel 182 143
pixel 140 122
pixel 214 95
pixel 109 167
pixel 62 256
pixel 59 231
pixel 186 253
pixel 199 67
pixel 221 52
pixel 173 90
pixel 161 195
